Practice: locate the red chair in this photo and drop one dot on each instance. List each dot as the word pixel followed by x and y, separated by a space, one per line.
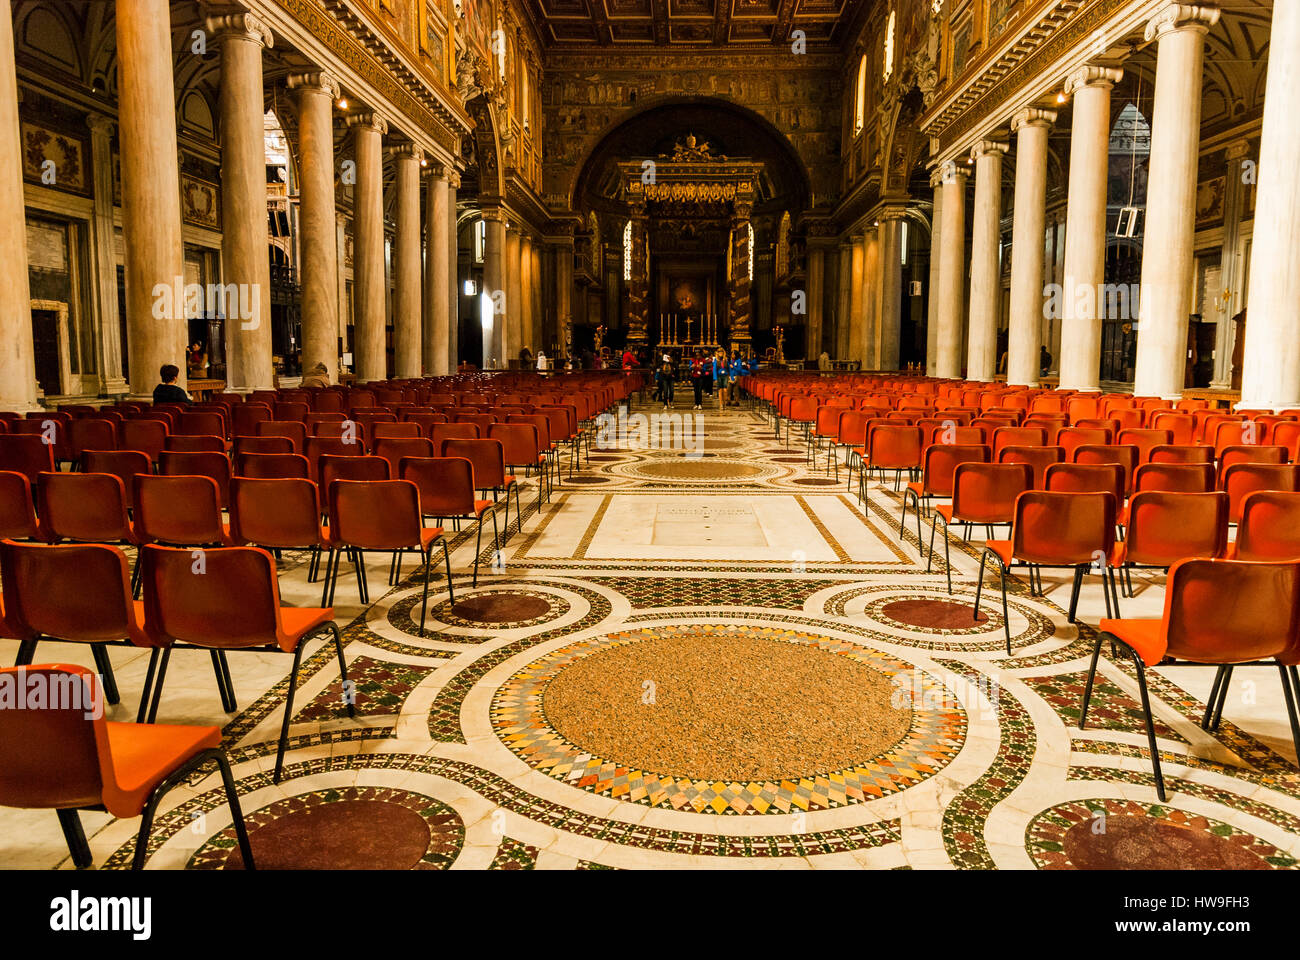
pixel 1038 459
pixel 451 431
pixel 147 436
pixel 27 454
pixel 272 466
pixel 67 757
pixel 896 448
pixel 203 464
pixel 1174 477
pixel 293 429
pixel 234 605
pixel 1004 437
pixel 182 443
pixel 205 423
pixel 241 445
pixel 1053 529
pixel 123 464
pixel 1287 434
pixel 1071 437
pixel 393 449
pixel 850 432
pixel 1269 528
pixel 521 448
pixel 17 509
pixel 1217 612
pixel 1182 453
pixel 1165 527
pixel 1242 479
pixel 289 410
pixel 1125 456
pixel 365 468
pixel 936 483
pixel 1087 478
pixel 1249 454
pixel 1145 441
pixel 1180 425
pixel 394 431
pixel 318 447
pixel 281 513
pixel 446 492
pixel 84 507
pixel 91 434
pixel 982 494
pixel 50 429
pixel 245 417
pixel 488 460
pixel 180 510
pixel 803 411
pixel 381 515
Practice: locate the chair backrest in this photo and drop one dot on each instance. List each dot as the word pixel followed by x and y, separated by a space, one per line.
pixel 1145 440
pixel 27 454
pixel 1174 477
pixel 235 603
pixel 204 423
pixel 393 449
pixel 202 464
pixel 851 428
pixel 1087 478
pixel 1018 437
pixel 261 445
pixel 83 506
pixel 986 492
pixel 245 417
pixel 293 429
pixel 1038 459
pixel 375 514
pixel 51 428
pixel 1057 528
pixel 804 409
pixel 1181 425
pixel 1165 527
pixel 334 446
pixel 1071 437
pixel 1241 479
pixel 123 464
pixel 894 447
pixel 941 461
pixel 272 466
pixel 1229 611
pixel 1126 456
pixel 1269 528
pixel 445 484
pixel 275 512
pixel 486 456
pixel 394 431
pixel 184 510
pixel 541 423
pixel 1250 454
pixel 290 410
pixel 147 436
pixel 91 434
pixel 185 443
pixel 363 468
pixel 17 509
pixel 50 758
pixel 71 591
pixel 519 444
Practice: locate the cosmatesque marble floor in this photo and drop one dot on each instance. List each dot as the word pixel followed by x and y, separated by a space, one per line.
pixel 533 727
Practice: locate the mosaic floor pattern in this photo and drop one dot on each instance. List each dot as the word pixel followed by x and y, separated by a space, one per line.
pixel 699 657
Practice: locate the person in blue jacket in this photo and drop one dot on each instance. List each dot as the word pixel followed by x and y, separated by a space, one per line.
pixel 735 371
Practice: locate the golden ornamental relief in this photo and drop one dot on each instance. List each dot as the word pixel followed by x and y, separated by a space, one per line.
pixel 691 192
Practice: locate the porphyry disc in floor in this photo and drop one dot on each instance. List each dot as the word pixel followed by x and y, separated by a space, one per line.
pixel 727 719
pixel 697 470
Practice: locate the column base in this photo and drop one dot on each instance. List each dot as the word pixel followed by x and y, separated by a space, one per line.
pixel 20 406
pixel 114 387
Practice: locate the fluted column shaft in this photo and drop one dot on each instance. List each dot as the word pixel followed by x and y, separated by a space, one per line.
pixel 1025 336
pixel 370 360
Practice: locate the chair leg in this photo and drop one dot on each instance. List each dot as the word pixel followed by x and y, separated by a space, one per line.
pixel 313 565
pixel 902 519
pixel 236 812
pixel 358 561
pixel 947 557
pixel 1074 593
pixel 1223 698
pixel 451 590
pixel 1092 675
pixel 929 554
pixel 288 712
pixel 1208 716
pixel 76 837
pixel 1006 617
pixel 326 591
pixel 1151 725
pixel 478 544
pixel 219 668
pixel 158 684
pixel 26 650
pixel 1290 695
pixel 343 666
pixel 424 605
pixel 979 586
pixel 148 683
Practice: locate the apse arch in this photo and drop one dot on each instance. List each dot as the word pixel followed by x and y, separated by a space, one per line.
pixel 640 127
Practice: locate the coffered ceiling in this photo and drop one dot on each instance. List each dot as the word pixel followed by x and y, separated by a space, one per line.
pixel 691 23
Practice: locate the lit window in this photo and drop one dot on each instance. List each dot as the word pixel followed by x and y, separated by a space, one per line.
pixel 902 240
pixel 480 240
pixel 749 251
pixel 860 104
pixel 889 46
pixel 627 250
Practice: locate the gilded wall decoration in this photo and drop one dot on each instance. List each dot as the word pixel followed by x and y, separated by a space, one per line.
pixel 54 159
pixel 199 202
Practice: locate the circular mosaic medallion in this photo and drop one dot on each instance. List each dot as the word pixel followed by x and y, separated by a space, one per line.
pixel 934 612
pixel 350 828
pixel 698 470
pixel 942 615
pixel 816 481
pixel 1126 835
pixel 728 719
pixel 789 459
pixel 505 608
pixel 578 478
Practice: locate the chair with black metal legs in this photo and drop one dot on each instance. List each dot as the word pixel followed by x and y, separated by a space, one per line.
pixel 983 494
pixel 68 758
pixel 1049 529
pixel 1217 612
pixel 228 598
pixel 936 483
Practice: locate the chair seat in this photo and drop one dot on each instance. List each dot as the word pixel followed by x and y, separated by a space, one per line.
pixel 482 505
pixel 428 535
pixel 944 510
pixel 300 621
pixel 143 755
pixel 1005 549
pixel 916 487
pixel 1146 637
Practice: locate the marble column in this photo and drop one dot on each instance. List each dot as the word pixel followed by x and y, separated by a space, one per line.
pixel 513 330
pixel 245 265
pixel 108 331
pixel 1085 227
pixel 318 269
pixel 1025 335
pixel 868 355
pixel 890 318
pixel 857 307
pixel 563 292
pixel 368 281
pixel 438 275
pixel 452 292
pixel 985 270
pixel 539 313
pixel 17 359
pixel 1271 366
pixel 1229 301
pixel 952 272
pixel 407 301
pixel 844 311
pixel 151 196
pixel 527 335
pixel 813 302
pixel 1166 290
pixel 494 286
pixel 932 294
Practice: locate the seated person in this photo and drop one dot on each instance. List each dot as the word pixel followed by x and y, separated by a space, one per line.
pixel 318 377
pixel 168 391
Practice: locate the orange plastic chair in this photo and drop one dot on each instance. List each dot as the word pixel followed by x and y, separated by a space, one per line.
pixel 393 449
pixel 1004 437
pixel 184 443
pixel 242 445
pixel 50 428
pixel 203 423
pixel 488 460
pixel 278 514
pixel 366 468
pixel 1145 441
pixel 890 447
pixel 91 434
pixel 84 507
pixel 1269 528
pixel 446 491
pixel 1182 453
pixel 1053 529
pixel 272 466
pixel 203 464
pixel 803 411
pixel 1165 527
pixel 67 757
pixel 1071 437
pixel 381 515
pixel 522 449
pixel 1249 454
pixel 1087 478
pixel 17 509
pixel 27 454
pixel 234 605
pixel 936 483
pixel 982 493
pixel 180 510
pixel 1125 456
pixel 295 430
pixel 123 464
pixel 245 417
pixel 1242 479
pixel 394 431
pixel 1174 477
pixel 1038 458
pixel 1181 424
pixel 1219 612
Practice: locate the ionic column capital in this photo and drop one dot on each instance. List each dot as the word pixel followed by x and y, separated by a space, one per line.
pixel 405 151
pixel 453 179
pixel 1179 17
pixel 369 118
pixel 98 123
pixel 494 215
pixel 950 173
pixel 315 81
pixel 988 148
pixel 1032 117
pixel 1092 76
pixel 1237 150
pixel 242 26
